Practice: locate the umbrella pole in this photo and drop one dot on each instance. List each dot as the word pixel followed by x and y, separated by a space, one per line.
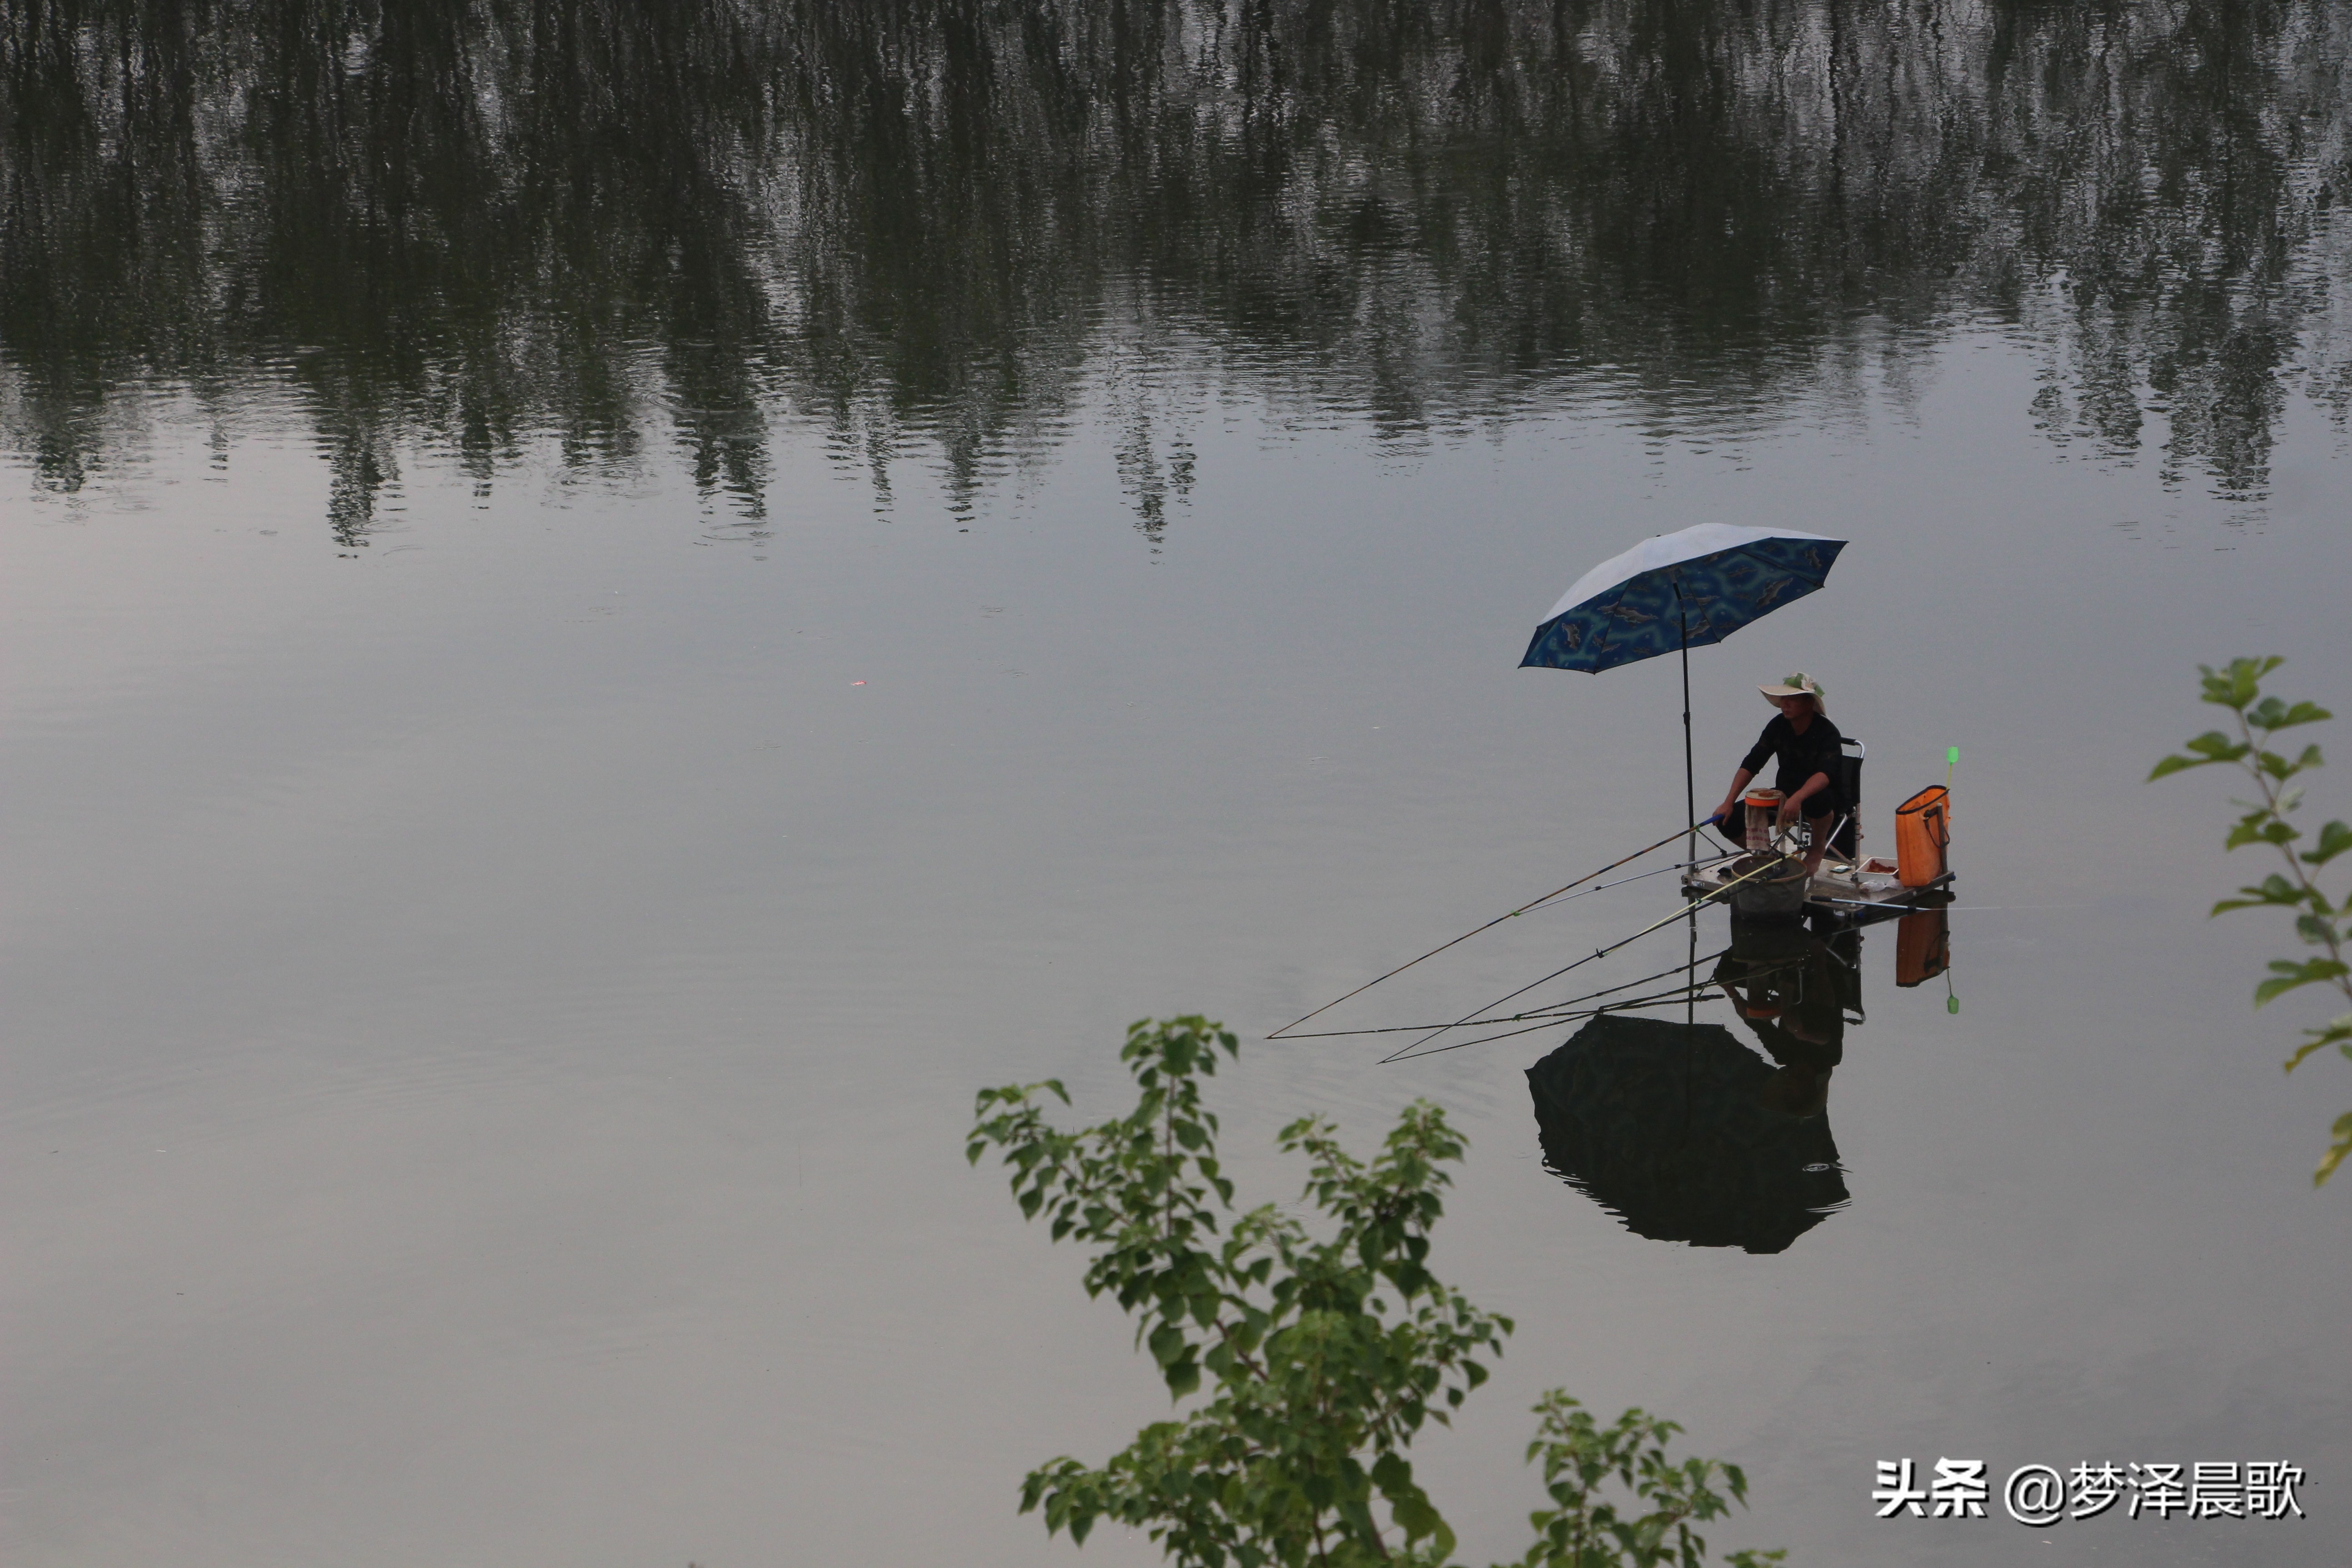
pixel 1690 773
pixel 1690 802
pixel 1690 987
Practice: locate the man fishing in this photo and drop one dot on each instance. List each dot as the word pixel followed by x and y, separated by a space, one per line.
pixel 1808 746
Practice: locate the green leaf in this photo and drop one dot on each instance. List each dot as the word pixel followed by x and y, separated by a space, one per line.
pixel 2240 682
pixel 2286 976
pixel 2271 713
pixel 2335 1031
pixel 2260 827
pixel 2273 890
pixel 2333 840
pixel 2216 747
pixel 2174 764
pixel 2335 1150
pixel 1417 1517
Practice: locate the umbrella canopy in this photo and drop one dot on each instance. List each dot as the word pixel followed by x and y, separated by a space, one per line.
pixel 1706 582
pixel 1672 1127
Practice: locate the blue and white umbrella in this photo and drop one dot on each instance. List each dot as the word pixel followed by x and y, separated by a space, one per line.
pixel 1677 592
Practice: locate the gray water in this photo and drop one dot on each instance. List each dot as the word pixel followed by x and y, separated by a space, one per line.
pixel 604 618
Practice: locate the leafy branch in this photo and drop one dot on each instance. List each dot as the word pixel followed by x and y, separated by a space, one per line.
pixel 1578 1455
pixel 2322 923
pixel 1322 1356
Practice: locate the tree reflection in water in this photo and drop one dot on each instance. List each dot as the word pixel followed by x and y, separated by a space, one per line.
pixel 458 226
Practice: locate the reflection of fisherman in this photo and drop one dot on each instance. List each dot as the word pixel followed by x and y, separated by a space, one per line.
pixel 1791 1001
pixel 1808 746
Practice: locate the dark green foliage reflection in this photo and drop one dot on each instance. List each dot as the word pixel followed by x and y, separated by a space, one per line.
pixel 455 225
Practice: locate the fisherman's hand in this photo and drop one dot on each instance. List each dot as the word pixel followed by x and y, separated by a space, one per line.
pixel 1787 814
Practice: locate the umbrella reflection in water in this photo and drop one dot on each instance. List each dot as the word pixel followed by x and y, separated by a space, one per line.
pixel 1688 1135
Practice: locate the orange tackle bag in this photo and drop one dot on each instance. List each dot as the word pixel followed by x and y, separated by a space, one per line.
pixel 1923 832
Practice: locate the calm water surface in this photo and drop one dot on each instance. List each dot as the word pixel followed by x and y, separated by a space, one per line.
pixel 606 613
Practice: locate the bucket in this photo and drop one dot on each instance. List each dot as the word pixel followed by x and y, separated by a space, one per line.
pixel 1762 814
pixel 1776 894
pixel 1922 831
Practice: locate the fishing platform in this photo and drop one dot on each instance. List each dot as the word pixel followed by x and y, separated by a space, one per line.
pixel 1847 892
pixel 1766 880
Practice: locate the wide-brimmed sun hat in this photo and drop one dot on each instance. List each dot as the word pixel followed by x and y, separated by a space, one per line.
pixel 1798 685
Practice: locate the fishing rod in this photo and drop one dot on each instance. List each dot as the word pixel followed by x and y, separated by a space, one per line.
pixel 1596 952
pixel 1692 992
pixel 1898 904
pixel 1554 902
pixel 1679 993
pixel 1558 1009
pixel 1491 924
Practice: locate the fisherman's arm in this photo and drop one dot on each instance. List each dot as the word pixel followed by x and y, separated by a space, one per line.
pixel 1731 797
pixel 1765 744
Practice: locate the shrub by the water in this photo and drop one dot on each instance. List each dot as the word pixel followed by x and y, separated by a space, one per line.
pixel 2324 923
pixel 1317 1352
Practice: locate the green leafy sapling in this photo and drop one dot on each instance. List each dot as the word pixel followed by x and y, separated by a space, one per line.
pixel 2325 925
pixel 1316 1354
pixel 1582 1528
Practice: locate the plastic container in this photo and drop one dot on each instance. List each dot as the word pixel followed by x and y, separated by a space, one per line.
pixel 1923 832
pixel 1762 815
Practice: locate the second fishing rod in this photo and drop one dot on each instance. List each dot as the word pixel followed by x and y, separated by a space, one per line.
pixel 1499 920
